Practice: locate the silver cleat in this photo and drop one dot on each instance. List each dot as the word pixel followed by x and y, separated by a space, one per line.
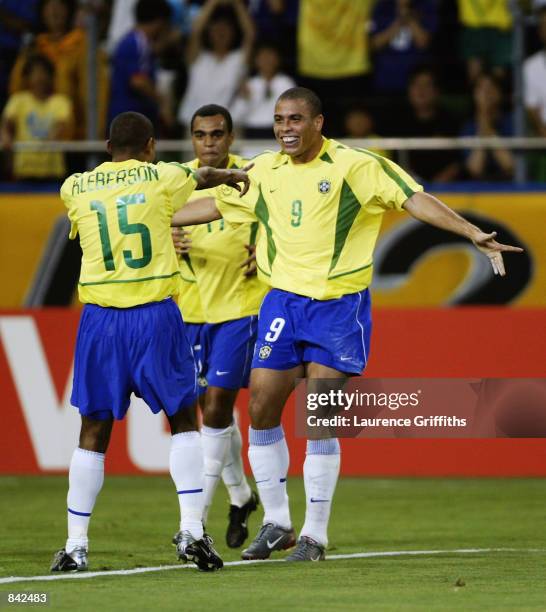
pixel 75 561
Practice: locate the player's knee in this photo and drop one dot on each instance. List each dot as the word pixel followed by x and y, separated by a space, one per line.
pixel 183 420
pixel 261 415
pixel 217 416
pixel 218 410
pixel 95 435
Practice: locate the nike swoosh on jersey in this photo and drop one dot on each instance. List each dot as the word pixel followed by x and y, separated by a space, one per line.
pixel 345 358
pixel 218 373
pixel 271 544
pixel 314 501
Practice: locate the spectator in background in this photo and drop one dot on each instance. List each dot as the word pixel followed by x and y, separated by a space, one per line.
pixel 534 74
pixel 134 68
pixel 275 22
pixel 333 54
pixel 486 37
pixel 17 18
pixel 425 117
pixel 359 123
pixel 401 36
pixel 534 79
pixel 216 65
pixel 37 114
pixel 489 120
pixel 254 108
pixel 66 47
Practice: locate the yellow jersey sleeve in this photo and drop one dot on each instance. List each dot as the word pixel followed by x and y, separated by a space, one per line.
pixel 236 209
pixel 178 183
pixel 66 197
pixel 380 184
pixel 63 107
pixel 11 110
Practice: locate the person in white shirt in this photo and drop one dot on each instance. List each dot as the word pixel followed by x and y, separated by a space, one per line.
pixel 255 105
pixel 534 74
pixel 216 69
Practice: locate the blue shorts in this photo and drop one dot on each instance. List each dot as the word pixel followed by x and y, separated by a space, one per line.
pixel 142 350
pixel 223 352
pixel 294 329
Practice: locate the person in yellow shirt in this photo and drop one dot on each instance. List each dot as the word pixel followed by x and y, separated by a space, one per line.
pixel 486 36
pixel 220 304
pixel 67 48
pixel 319 204
pixel 131 337
pixel 37 114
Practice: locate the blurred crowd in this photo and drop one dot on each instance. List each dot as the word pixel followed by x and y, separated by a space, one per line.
pixel 398 68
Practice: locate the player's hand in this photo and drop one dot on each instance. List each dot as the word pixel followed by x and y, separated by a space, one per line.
pixel 487 244
pixel 250 263
pixel 241 176
pixel 181 240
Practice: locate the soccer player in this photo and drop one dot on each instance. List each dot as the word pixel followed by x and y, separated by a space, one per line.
pixel 220 304
pixel 320 206
pixel 131 336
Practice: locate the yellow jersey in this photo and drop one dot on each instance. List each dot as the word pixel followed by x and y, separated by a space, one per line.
pixel 485 14
pixel 214 288
pixel 333 38
pixel 34 120
pixel 319 220
pixel 122 212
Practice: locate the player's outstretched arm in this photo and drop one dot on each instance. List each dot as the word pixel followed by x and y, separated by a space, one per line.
pixel 212 177
pixel 196 212
pixel 429 209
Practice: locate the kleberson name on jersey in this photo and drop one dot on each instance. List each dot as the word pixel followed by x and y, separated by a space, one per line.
pixel 95 181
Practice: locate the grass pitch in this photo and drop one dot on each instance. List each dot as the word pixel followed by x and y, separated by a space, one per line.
pixel 135 518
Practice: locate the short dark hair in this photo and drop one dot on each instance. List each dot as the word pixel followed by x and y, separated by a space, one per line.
pixel 37 59
pixel 302 93
pixel 130 132
pixel 209 110
pixel 424 69
pixel 70 6
pixel 150 10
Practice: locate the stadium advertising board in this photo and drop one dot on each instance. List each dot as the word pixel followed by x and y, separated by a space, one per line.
pixel 41 428
pixel 415 265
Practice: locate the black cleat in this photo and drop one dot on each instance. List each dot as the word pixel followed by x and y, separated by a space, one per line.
pixel 237 530
pixel 76 561
pixel 307 550
pixel 270 537
pixel 201 552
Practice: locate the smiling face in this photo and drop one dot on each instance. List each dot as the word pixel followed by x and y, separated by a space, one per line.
pixel 211 140
pixel 298 132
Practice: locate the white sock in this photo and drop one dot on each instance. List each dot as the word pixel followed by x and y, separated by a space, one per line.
pixel 320 474
pixel 269 458
pixel 186 467
pixel 85 480
pixel 233 473
pixel 215 449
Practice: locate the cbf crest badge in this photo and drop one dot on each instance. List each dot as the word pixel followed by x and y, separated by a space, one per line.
pixel 324 186
pixel 264 352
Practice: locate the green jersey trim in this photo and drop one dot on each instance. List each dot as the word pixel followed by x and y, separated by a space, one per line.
pixel 408 191
pixel 132 280
pixel 262 271
pixel 262 213
pixel 186 169
pixel 326 158
pixel 351 271
pixel 348 209
pixel 253 232
pixel 187 259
